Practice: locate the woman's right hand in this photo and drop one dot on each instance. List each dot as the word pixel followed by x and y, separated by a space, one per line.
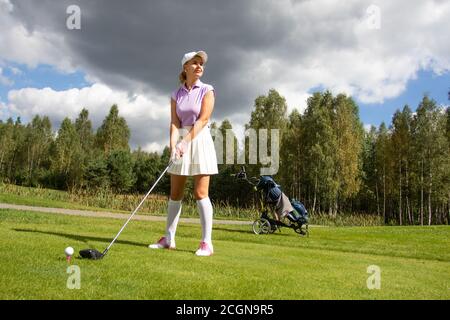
pixel 178 151
pixel 181 148
pixel 173 155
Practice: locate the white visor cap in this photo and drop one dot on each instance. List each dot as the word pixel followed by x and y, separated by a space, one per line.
pixel 188 56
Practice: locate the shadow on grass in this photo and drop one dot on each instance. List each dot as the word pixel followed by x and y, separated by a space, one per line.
pixel 250 231
pixel 285 231
pixel 81 237
pixel 86 239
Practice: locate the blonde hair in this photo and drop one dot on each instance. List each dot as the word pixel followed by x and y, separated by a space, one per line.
pixel 182 77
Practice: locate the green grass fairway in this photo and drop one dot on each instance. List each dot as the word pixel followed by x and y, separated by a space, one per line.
pixel 331 264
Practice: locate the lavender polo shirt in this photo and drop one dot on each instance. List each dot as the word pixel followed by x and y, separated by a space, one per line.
pixel 189 103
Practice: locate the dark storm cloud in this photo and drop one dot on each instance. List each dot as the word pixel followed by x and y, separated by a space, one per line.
pixel 138 45
pixel 253 46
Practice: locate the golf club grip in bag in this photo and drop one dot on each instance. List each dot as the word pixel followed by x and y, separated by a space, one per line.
pixel 137 208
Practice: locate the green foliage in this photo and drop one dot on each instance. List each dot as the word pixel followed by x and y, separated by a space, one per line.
pixel 349 142
pixel 83 127
pixel 38 139
pixel 447 112
pixel 223 187
pixel 146 170
pixel 398 173
pixel 368 197
pixel 120 168
pixel 7 144
pixel 269 113
pixel 114 133
pixel 97 174
pixel 67 151
pixel 292 157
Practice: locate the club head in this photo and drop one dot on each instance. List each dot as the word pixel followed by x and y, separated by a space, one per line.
pixel 91 254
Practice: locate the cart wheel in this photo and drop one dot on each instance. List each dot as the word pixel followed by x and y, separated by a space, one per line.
pixel 261 226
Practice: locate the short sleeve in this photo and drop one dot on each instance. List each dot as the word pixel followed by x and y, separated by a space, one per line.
pixel 174 95
pixel 210 88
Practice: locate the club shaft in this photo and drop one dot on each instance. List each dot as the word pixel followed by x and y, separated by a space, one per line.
pixel 137 208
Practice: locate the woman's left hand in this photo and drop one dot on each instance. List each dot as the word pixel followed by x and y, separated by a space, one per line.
pixel 181 148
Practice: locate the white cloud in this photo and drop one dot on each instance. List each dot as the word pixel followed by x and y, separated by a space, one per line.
pixel 294 99
pixel 367 127
pixel 5 5
pixel 322 43
pixel 148 118
pixel 32 48
pixel 336 49
pixel 153 147
pixel 238 122
pixel 3 114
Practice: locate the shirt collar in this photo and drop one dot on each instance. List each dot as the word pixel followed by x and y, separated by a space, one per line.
pixel 197 84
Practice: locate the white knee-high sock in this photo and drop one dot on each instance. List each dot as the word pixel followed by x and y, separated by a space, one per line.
pixel 173 215
pixel 205 210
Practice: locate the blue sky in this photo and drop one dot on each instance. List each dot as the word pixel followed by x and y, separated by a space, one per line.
pixel 40 77
pixel 288 45
pixel 426 82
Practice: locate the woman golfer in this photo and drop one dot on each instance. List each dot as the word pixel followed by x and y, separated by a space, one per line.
pixel 192 150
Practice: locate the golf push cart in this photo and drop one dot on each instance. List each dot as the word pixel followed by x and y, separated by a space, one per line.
pixel 271 197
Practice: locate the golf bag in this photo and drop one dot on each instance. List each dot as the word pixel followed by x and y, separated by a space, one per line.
pixel 299 214
pixel 272 193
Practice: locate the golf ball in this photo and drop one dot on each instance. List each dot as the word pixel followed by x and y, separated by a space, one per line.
pixel 69 251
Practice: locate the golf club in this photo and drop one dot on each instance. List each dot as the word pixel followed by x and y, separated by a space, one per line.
pixel 94 254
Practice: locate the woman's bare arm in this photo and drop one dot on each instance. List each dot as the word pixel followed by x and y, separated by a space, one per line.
pixel 174 125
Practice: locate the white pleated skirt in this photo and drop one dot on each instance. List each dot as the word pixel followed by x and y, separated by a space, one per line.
pixel 200 157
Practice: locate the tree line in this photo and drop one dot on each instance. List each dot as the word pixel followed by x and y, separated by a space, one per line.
pixel 76 157
pixel 399 171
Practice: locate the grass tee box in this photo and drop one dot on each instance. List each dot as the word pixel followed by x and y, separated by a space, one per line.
pixel 333 263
